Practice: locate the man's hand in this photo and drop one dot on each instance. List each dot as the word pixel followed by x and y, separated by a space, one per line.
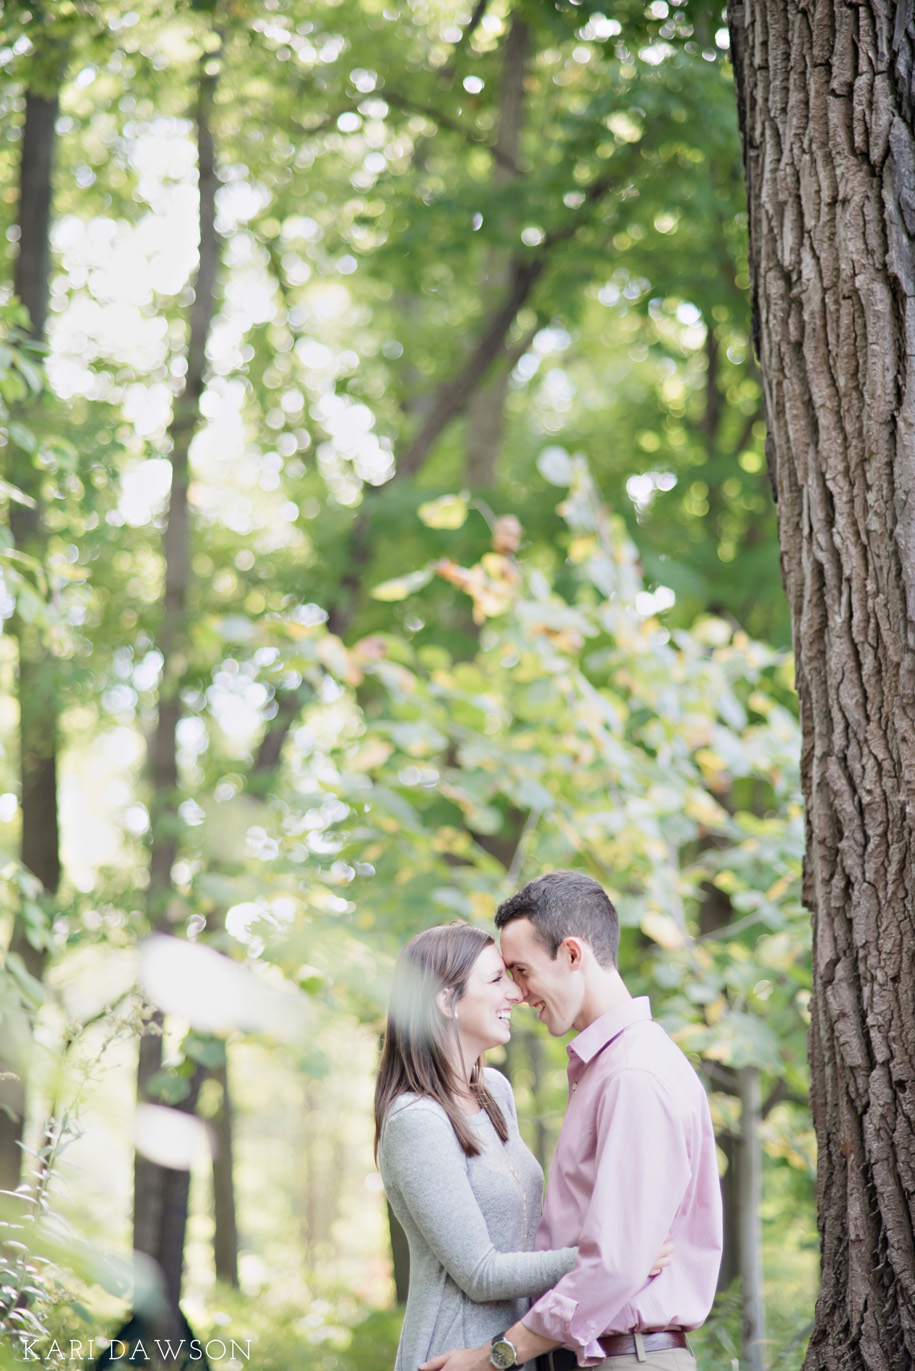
pixel 663 1258
pixel 463 1359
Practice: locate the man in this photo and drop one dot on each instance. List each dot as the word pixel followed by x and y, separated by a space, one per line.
pixel 636 1158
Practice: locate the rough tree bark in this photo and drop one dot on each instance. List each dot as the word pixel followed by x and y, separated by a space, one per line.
pixel 161 1194
pixel 37 675
pixel 825 96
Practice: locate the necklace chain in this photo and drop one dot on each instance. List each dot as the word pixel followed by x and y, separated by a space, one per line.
pixel 504 1159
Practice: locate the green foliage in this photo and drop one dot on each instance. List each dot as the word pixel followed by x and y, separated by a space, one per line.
pixel 277 1335
pixel 36 1258
pixel 396 704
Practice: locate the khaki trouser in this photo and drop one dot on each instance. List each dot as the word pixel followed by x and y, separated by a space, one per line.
pixel 672 1359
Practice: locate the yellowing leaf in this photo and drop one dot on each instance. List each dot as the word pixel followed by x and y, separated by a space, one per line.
pixel 454 840
pixel 448 511
pixel 371 755
pixel 581 547
pixel 335 658
pixel 399 587
pixel 700 807
pixel 778 888
pixel 481 905
pixel 663 930
pixel 624 127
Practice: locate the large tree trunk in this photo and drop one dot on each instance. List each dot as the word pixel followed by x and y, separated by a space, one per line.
pixel 160 1195
pixel 825 92
pixel 37 679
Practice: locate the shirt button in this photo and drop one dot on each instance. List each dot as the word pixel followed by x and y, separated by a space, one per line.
pixel 575 1085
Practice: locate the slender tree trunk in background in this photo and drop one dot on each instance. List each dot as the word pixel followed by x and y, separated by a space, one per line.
pixel 225 1237
pixel 486 411
pixel 730 1200
pixel 750 1188
pixel 173 1220
pixel 37 680
pixel 160 1195
pixel 535 1057
pixel 825 94
pixel 715 912
pixel 400 1252
pixel 258 783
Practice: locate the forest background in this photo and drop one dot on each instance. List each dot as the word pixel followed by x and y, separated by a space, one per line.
pixel 388 523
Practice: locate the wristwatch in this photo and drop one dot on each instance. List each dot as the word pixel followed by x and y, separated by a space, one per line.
pixel 502 1354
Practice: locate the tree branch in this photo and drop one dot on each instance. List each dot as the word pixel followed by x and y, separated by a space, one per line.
pixel 409 105
pixel 453 396
pixel 289 705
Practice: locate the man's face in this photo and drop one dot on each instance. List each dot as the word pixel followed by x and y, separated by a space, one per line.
pixel 549 986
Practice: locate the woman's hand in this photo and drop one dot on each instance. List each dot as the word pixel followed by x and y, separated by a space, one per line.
pixel 663 1258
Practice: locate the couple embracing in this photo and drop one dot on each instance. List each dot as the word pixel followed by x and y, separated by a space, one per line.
pixel 624 1259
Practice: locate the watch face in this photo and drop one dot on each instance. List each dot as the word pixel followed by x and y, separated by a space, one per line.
pixel 502 1354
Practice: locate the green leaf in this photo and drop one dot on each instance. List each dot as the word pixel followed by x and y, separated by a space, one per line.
pixel 168 1088
pixel 30 372
pixel 11 492
pixel 209 1052
pixel 23 437
pixel 399 587
pixel 555 466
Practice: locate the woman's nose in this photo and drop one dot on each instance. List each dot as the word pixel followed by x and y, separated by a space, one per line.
pixel 514 992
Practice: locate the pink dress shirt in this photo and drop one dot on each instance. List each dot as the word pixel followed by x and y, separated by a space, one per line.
pixel 636 1160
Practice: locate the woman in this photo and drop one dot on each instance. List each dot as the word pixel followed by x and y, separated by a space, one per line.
pixel 458 1177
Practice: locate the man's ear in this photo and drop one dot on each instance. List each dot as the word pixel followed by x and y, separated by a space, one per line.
pixel 574 949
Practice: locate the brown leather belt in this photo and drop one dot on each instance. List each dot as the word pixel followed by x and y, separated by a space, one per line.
pixel 624 1344
pixel 615 1345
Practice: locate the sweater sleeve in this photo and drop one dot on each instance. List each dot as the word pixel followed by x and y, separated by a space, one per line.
pixel 423 1162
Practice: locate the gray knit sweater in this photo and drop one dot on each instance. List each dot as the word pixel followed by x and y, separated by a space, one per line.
pixel 470 1222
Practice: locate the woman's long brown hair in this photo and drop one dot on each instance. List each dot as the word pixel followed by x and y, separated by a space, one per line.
pixel 415 1057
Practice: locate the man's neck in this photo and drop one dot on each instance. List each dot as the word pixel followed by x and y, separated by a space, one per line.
pixel 605 991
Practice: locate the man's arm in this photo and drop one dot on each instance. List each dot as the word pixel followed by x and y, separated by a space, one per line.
pixel 642 1172
pixel 527 1345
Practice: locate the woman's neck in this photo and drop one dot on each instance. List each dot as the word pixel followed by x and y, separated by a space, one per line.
pixel 463 1082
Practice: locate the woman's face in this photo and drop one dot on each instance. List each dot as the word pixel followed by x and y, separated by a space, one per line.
pixel 484 1008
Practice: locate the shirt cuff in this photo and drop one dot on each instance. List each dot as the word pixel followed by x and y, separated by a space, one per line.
pixel 553 1317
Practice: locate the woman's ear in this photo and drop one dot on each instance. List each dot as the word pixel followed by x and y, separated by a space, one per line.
pixel 445 999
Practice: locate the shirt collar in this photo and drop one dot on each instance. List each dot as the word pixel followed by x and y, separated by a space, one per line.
pixel 593 1039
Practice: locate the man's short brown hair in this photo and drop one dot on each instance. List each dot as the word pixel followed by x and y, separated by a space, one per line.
pixel 566 904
